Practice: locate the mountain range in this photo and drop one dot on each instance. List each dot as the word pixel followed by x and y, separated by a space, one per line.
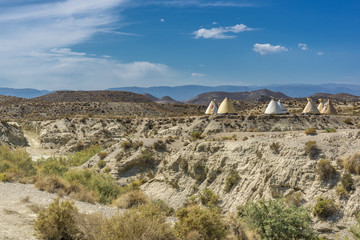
pixel 183 93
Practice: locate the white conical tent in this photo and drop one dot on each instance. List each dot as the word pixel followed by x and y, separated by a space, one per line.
pixel 329 109
pixel 321 105
pixel 310 108
pixel 212 108
pixel 273 108
pixel 226 107
pixel 282 107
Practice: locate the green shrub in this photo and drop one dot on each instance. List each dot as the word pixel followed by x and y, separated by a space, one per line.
pixel 311 149
pixel 131 199
pixel 275 147
pixel 310 131
pixel 348 121
pixel 196 135
pixel 341 191
pixel 102 155
pixel 52 166
pixel 355 230
pixel 231 180
pixel 79 158
pixel 57 222
pixel 102 184
pixel 352 163
pixel 145 160
pixel 205 221
pixel 324 208
pixel 325 170
pixel 209 198
pixel 347 181
pixel 101 164
pixel 329 130
pixel 274 220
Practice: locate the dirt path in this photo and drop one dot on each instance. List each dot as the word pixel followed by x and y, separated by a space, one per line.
pixel 34 149
pixel 19 204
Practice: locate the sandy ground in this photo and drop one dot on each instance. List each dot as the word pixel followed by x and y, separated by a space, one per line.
pixel 18 205
pixel 35 150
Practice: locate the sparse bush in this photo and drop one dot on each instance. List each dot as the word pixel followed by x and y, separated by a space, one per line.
pixel 131 199
pixel 329 130
pixel 137 145
pixel 311 149
pixel 352 163
pixel 206 222
pixel 310 131
pixel 274 220
pixel 79 158
pixel 196 135
pixel 294 199
pixel 101 164
pixel 126 145
pixel 325 170
pixel 57 222
pixel 102 155
pixel 348 121
pixel 355 230
pixel 324 208
pixel 275 146
pixel 159 145
pixel 209 198
pixel 51 184
pixel 347 181
pixel 341 191
pixel 52 166
pixel 231 180
pixel 145 160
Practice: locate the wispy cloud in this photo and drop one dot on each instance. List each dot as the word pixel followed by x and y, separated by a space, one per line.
pixel 267 48
pixel 221 32
pixel 303 46
pixel 320 53
pixel 194 3
pixel 196 75
pixel 36 42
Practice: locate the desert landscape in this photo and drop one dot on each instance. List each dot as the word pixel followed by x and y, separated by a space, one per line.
pixel 184 158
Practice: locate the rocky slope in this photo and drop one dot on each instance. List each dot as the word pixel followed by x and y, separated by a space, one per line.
pixel 11 135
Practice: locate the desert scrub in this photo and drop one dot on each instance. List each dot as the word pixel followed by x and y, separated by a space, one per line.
pixel 347 181
pixel 329 130
pixel 196 135
pixel 275 146
pixel 352 163
pixel 325 170
pixel 159 146
pixel 310 131
pixel 355 230
pixel 131 199
pixel 341 191
pixel 324 208
pixel 126 145
pixel 348 121
pixel 79 158
pixel 207 223
pixel 311 149
pixel 102 184
pixel 231 180
pixel 101 164
pixel 15 164
pixel 58 221
pixel 209 198
pixel 273 219
pixel 52 166
pixel 102 155
pixel 137 145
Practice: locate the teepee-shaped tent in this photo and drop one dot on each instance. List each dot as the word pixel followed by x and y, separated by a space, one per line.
pixel 282 107
pixel 321 105
pixel 212 108
pixel 273 108
pixel 310 108
pixel 329 109
pixel 226 107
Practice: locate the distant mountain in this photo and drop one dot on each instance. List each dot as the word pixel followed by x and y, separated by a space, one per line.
pixel 24 92
pixel 167 99
pixel 339 96
pixel 257 95
pixel 93 96
pixel 151 97
pixel 182 93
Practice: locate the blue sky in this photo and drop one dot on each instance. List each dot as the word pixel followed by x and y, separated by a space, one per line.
pixel 98 44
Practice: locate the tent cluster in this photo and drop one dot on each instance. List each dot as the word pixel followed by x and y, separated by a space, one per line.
pixel 225 108
pixel 274 108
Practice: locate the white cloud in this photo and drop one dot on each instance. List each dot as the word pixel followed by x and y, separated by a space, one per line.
pixel 195 3
pixel 214 23
pixel 162 20
pixel 320 53
pixel 221 32
pixel 36 40
pixel 303 46
pixel 267 48
pixel 195 75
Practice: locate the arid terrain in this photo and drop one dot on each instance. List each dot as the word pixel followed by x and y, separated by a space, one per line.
pixel 189 153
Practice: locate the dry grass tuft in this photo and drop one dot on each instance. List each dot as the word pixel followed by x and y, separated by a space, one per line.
pixel 131 199
pixel 352 163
